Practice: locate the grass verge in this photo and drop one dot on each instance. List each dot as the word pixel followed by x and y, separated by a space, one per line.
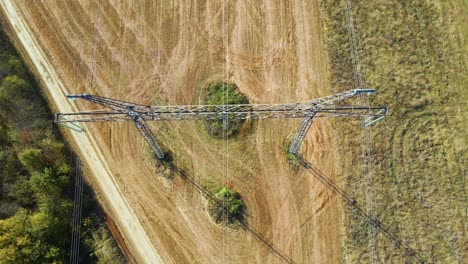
pixel 414 54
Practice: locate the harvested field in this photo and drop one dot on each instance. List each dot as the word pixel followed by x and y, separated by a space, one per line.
pixel 164 52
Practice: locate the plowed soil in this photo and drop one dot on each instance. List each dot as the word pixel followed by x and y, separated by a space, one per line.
pixel 164 52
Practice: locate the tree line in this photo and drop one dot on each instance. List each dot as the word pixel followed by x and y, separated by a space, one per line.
pixel 36 203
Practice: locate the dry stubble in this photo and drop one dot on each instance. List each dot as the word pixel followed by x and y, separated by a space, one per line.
pixel 146 50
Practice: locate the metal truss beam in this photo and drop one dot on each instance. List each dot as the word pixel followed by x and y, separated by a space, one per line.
pixel 125 111
pixel 255 112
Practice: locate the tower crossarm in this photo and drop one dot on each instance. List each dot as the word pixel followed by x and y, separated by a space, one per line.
pixel 332 99
pixel 114 104
pixel 123 106
pixel 105 116
pixel 118 111
pixel 253 112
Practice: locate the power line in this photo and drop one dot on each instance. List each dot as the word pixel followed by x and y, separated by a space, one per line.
pixel 77 210
pixel 366 137
pixel 225 120
pixel 78 195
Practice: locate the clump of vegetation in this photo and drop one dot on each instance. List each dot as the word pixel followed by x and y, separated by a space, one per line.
pixel 226 205
pixel 165 166
pixel 224 94
pixel 292 160
pixel 36 208
pixel 101 243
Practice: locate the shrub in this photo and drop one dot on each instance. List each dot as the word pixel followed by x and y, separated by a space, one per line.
pixel 4 139
pixel 228 207
pixel 232 200
pixel 292 160
pixel 220 94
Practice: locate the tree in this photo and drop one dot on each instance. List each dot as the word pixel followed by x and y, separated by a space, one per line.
pixel 14 87
pixel 31 159
pixel 4 139
pixel 53 153
pixel 22 241
pixel 22 192
pixel 47 190
pixel 232 200
pixel 16 66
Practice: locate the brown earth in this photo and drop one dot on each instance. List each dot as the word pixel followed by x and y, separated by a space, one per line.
pixel 164 51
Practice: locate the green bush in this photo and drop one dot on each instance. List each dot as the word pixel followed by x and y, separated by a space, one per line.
pixel 224 94
pixel 23 193
pixel 3 131
pixel 292 160
pixel 232 200
pixel 16 66
pixel 227 207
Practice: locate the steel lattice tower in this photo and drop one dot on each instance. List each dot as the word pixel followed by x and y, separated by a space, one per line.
pixel 140 114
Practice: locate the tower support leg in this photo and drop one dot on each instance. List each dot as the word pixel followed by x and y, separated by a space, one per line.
pixel 301 132
pixel 149 137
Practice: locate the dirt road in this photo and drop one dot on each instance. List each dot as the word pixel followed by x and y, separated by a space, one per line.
pixel 162 52
pixel 128 223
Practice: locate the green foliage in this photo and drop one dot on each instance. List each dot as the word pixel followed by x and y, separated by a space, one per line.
pixel 228 207
pixel 16 66
pixel 104 248
pixel 31 159
pixel 224 94
pixel 23 192
pixel 3 131
pixel 21 239
pixel 47 187
pixel 14 87
pixel 35 206
pixel 53 154
pixel 10 166
pixel 233 201
pixel 292 160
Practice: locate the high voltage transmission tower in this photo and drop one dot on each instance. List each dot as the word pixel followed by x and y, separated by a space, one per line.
pixel 139 114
